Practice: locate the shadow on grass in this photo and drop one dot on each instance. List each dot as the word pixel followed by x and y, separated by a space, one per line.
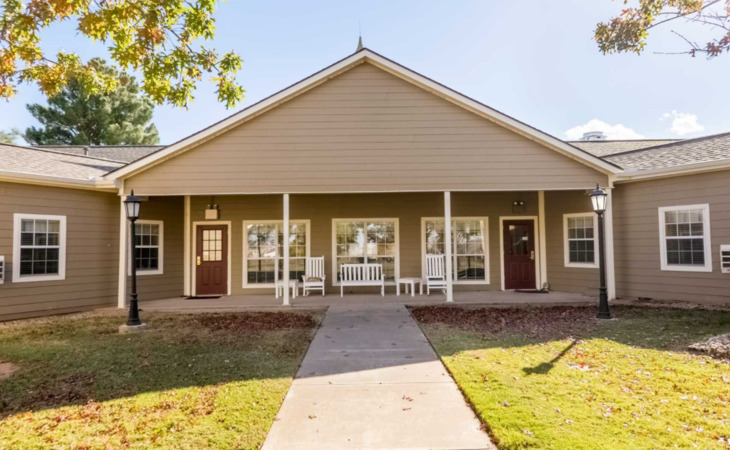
pixel 72 360
pixel 545 367
pixel 668 329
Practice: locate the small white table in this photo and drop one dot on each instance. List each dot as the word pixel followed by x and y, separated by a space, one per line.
pixel 409 281
pixel 293 284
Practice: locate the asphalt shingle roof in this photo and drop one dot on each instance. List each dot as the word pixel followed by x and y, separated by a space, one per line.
pixel 35 161
pixel 605 148
pixel 122 153
pixel 691 151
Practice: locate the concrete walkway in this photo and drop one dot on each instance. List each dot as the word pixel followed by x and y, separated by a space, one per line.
pixel 371 380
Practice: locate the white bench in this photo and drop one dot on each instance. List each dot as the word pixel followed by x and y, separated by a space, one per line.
pixel 361 275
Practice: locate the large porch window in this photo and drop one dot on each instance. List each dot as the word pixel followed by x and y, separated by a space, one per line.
pixel 366 241
pixel 580 234
pixel 263 251
pixel 470 246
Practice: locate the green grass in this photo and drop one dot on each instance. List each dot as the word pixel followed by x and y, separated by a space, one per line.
pixel 559 379
pixel 193 381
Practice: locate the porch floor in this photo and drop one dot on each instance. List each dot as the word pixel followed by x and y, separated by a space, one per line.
pixel 266 302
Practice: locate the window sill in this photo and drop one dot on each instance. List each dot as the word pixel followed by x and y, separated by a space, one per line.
pixel 667 268
pixel 34 278
pixel 148 272
pixel 581 266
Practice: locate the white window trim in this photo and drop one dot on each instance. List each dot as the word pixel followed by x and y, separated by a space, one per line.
pixel 707 267
pixel 245 283
pixel 17 278
pixel 487 280
pixel 395 220
pixel 566 246
pixel 160 255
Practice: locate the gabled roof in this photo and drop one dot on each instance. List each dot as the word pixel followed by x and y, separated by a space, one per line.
pixel 707 149
pixel 611 147
pixel 19 163
pixel 359 57
pixel 121 153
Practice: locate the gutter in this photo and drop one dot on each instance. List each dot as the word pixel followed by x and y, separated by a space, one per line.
pixel 50 180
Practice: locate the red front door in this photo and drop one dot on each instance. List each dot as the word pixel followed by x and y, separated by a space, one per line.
pixel 211 260
pixel 519 254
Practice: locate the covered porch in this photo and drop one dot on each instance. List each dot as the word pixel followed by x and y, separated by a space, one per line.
pixel 494 243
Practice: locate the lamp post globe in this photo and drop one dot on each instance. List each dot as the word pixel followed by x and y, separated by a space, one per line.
pixel 599 200
pixel 131 207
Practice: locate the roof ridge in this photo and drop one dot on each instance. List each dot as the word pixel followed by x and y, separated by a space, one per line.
pixel 682 142
pixel 62 153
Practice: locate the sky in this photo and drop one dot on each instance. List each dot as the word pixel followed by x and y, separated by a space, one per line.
pixel 534 60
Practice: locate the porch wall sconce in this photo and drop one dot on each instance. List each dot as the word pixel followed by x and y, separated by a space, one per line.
pixel 211 212
pixel 518 206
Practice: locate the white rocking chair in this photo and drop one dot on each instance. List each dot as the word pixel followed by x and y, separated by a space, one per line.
pixel 313 278
pixel 435 273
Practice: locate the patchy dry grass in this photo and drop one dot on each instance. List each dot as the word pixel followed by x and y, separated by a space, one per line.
pixel 193 381
pixel 557 378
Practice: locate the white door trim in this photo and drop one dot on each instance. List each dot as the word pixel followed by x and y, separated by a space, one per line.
pixel 538 240
pixel 194 271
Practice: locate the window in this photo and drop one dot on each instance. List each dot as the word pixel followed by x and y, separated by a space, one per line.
pixel 579 238
pixel 685 238
pixel 366 241
pixel 39 248
pixel 470 246
pixel 148 235
pixel 264 251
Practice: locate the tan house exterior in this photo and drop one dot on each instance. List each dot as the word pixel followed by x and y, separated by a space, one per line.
pixel 364 161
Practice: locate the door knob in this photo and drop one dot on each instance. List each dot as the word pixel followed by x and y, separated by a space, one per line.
pixel 198 260
pixel 532 255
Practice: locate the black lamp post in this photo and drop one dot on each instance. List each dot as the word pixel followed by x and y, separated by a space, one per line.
pixel 131 207
pixel 599 198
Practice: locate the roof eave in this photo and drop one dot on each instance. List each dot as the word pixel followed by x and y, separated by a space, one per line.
pixel 686 169
pixel 54 181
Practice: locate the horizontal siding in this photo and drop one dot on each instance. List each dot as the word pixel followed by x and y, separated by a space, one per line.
pixel 92 222
pixel 560 277
pixel 408 208
pixel 636 238
pixel 364 130
pixel 170 210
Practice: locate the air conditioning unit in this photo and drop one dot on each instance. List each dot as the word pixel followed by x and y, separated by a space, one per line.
pixel 725 258
pixel 2 269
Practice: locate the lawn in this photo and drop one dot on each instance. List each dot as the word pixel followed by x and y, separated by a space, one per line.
pixel 557 378
pixel 193 381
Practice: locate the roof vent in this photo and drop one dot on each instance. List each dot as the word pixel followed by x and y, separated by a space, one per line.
pixel 593 136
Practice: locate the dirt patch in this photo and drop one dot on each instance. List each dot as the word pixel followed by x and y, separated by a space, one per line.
pixel 533 322
pixel 7 369
pixel 254 322
pixel 717 346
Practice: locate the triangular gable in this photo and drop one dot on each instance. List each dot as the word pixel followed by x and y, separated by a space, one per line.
pixel 362 56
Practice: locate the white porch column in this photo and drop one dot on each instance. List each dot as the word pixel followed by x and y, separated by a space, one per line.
pixel 447 245
pixel 286 250
pixel 608 225
pixel 541 239
pixel 123 224
pixel 187 263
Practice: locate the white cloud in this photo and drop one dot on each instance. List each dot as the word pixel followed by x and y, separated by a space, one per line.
pixel 683 123
pixel 617 131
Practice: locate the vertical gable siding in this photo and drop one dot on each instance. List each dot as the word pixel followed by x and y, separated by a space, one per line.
pixel 92 246
pixel 637 245
pixel 364 130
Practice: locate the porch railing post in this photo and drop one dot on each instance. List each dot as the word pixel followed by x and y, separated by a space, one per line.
pixel 123 250
pixel 447 250
pixel 610 268
pixel 285 249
